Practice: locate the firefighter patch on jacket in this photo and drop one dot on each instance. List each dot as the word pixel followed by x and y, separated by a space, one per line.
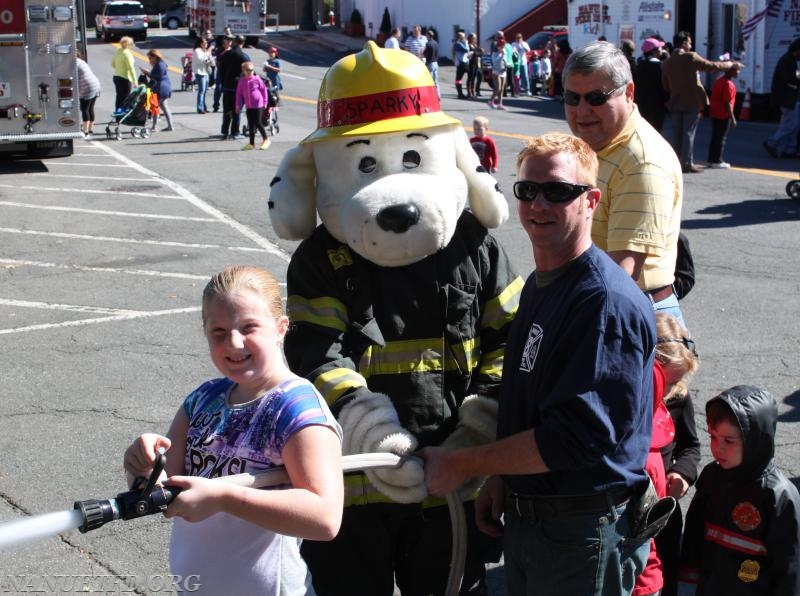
pixel 531 348
pixel 748 571
pixel 746 516
pixel 340 258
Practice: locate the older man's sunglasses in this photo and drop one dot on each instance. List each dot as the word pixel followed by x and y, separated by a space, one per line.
pixel 593 98
pixel 553 192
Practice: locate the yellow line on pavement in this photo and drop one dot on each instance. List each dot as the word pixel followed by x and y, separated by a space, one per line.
pixel 774 173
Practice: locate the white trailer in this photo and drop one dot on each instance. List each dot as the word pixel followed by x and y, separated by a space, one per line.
pixel 755 32
pixel 39 106
pixel 618 20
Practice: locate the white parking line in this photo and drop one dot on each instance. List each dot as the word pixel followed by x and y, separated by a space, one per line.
pixel 101 212
pixel 81 177
pixel 213 215
pixel 90 191
pixel 11 263
pixel 122 317
pixel 246 231
pixel 131 240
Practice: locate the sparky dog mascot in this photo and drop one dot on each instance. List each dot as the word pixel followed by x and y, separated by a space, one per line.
pixel 400 302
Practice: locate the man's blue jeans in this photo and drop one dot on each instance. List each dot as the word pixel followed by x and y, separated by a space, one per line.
pixel 670 306
pixel 784 140
pixel 575 555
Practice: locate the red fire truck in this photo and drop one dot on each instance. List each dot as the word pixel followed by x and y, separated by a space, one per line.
pixel 39 106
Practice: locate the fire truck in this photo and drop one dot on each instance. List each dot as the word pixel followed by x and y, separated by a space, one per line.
pixel 244 17
pixel 39 106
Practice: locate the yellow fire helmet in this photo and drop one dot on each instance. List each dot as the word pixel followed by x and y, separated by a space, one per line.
pixel 375 91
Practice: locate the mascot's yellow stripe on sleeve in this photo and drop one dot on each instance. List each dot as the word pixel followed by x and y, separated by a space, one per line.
pixel 417 356
pixel 325 312
pixel 499 311
pixel 332 384
pixel 492 364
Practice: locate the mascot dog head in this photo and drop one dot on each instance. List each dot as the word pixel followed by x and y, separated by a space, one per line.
pixel 388 172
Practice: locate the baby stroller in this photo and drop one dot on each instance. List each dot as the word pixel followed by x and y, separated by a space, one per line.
pixel 187 78
pixel 270 117
pixel 135 111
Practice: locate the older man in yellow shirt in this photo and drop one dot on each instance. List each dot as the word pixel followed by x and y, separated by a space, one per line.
pixel 638 219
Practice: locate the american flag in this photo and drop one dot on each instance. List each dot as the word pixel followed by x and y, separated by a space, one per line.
pixel 773 9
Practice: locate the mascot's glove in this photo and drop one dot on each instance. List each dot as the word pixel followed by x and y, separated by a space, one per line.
pixel 477 425
pixel 370 424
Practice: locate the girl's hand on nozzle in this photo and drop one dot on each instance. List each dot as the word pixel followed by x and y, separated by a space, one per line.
pixel 142 453
pixel 199 498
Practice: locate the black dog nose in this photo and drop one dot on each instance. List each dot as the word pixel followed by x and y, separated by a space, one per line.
pixel 398 218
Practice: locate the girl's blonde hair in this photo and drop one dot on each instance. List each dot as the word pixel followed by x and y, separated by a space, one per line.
pixel 675 346
pixel 244 277
pixel 126 42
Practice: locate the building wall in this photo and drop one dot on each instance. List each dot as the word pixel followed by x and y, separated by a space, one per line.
pixel 442 15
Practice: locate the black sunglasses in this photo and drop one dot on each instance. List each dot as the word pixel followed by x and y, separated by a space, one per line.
pixel 687 343
pixel 593 98
pixel 553 192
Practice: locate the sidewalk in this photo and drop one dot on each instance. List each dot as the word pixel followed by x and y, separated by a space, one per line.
pixel 330 38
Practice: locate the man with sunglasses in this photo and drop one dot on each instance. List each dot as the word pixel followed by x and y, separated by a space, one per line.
pixel 575 412
pixel 638 219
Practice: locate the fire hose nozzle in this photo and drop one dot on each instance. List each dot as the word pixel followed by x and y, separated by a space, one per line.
pixel 96 512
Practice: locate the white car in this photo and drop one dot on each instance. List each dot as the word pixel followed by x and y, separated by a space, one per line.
pixel 121 17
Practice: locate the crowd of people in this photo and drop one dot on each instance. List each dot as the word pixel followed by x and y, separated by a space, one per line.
pixel 216 65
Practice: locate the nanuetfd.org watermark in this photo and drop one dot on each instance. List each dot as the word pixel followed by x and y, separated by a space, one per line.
pixel 97 584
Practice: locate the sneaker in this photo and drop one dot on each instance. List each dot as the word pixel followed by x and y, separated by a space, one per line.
pixel 167 129
pixel 722 165
pixel 770 149
pixel 248 147
pixel 491 105
pixel 265 144
pixel 237 137
pixel 500 107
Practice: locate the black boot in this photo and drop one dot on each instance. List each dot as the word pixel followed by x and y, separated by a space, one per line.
pixel 460 91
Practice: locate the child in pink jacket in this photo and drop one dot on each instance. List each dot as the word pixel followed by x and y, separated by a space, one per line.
pixel 251 92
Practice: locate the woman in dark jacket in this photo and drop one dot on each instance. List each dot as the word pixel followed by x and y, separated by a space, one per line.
pixel 159 83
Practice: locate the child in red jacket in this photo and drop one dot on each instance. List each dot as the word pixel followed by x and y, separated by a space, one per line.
pixel 723 96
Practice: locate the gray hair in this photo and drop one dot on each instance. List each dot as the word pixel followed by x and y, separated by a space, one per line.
pixel 599 56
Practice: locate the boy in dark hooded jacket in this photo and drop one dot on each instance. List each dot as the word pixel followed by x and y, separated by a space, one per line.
pixel 742 533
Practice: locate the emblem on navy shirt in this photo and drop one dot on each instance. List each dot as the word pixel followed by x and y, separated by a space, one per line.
pixel 748 571
pixel 746 516
pixel 531 348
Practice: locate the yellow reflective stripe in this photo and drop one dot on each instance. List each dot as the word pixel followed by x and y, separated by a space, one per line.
pixel 499 311
pixel 418 356
pixel 492 364
pixel 359 491
pixel 325 312
pixel 332 384
pixel 468 354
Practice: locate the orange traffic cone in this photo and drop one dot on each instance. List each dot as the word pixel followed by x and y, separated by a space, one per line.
pixel 745 113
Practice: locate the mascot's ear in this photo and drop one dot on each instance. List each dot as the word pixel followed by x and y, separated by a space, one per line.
pixel 292 195
pixel 485 199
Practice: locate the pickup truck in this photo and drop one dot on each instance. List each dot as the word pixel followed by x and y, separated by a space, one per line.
pixel 121 17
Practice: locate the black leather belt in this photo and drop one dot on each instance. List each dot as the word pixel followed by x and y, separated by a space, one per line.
pixel 660 294
pixel 541 508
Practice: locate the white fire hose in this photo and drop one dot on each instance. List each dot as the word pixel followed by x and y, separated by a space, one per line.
pixel 371 461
